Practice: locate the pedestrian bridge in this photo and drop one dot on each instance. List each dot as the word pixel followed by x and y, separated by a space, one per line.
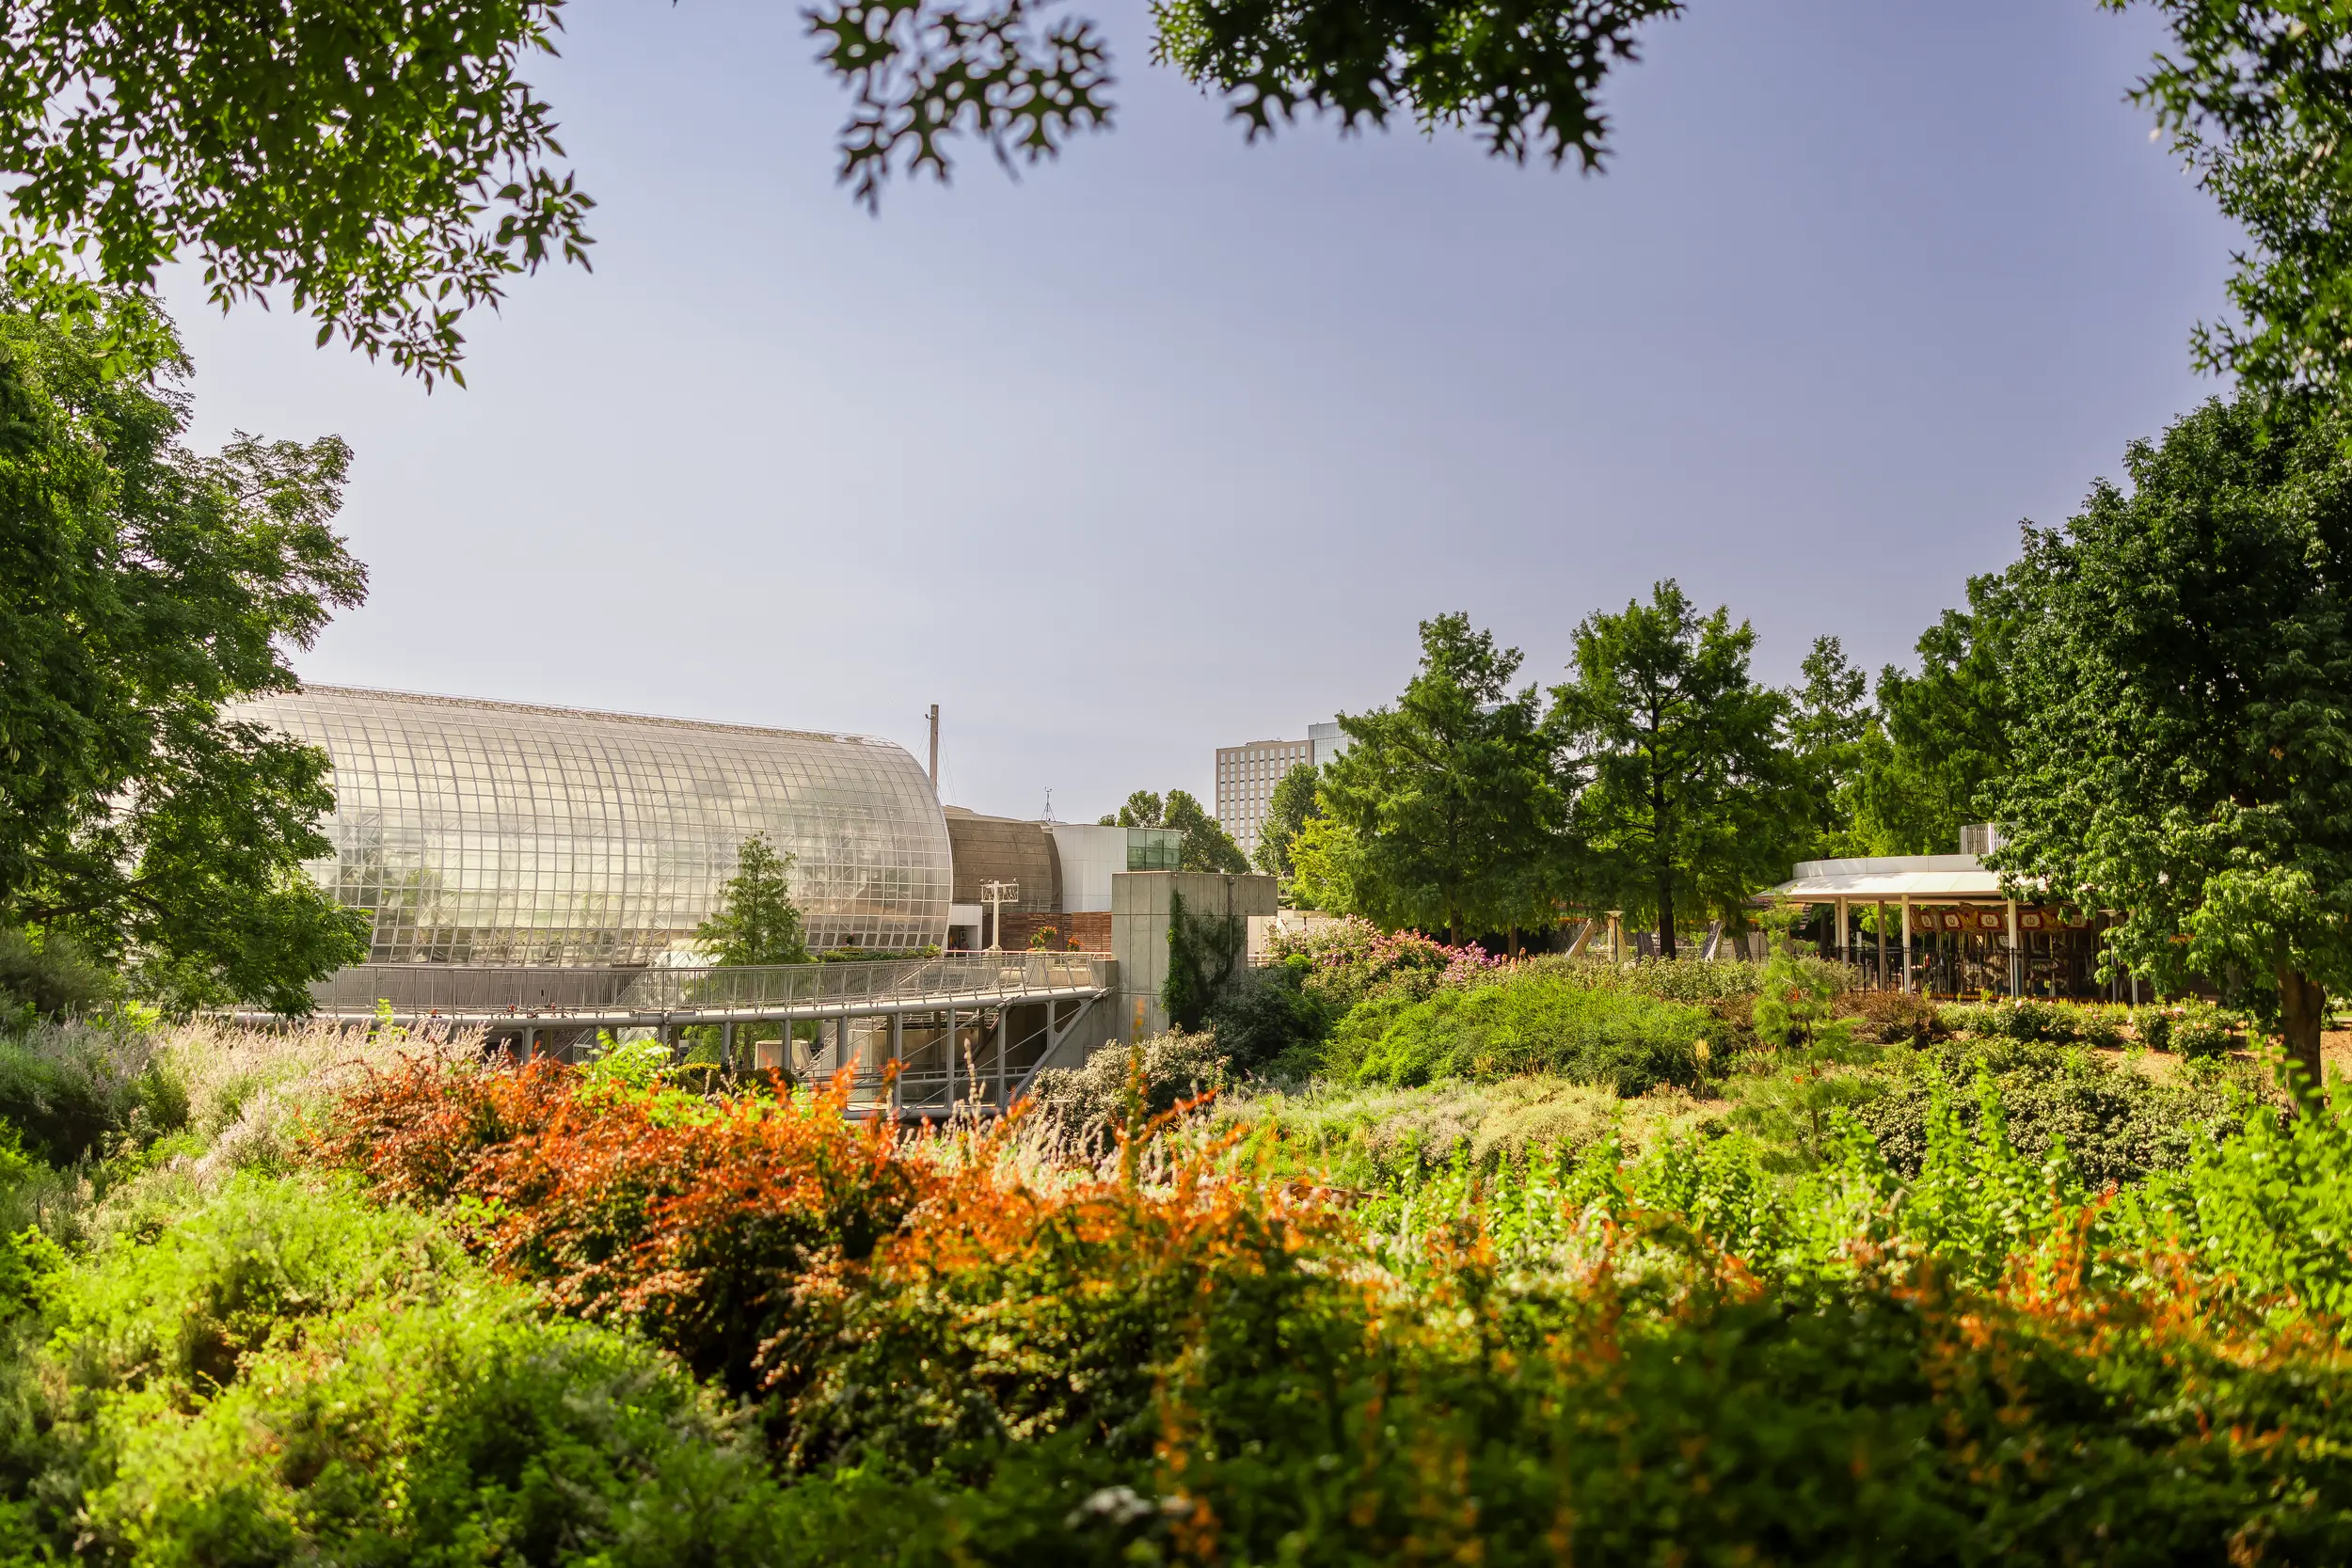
pixel 964 1030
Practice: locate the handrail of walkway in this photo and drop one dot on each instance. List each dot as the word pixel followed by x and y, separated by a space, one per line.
pixel 460 991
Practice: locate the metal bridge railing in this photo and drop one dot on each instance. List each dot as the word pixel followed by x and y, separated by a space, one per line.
pixel 486 989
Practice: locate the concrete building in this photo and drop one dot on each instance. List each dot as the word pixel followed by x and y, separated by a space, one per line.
pixel 1325 741
pixel 1142 904
pixel 1246 777
pixel 1009 852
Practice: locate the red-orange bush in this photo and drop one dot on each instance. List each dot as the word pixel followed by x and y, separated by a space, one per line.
pixel 696 1222
pixel 882 1299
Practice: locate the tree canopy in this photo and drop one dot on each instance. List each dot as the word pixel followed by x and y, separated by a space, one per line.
pixel 1207 846
pixel 756 922
pixel 1293 799
pixel 2185 755
pixel 143 588
pixel 1941 737
pixel 1450 799
pixel 1684 804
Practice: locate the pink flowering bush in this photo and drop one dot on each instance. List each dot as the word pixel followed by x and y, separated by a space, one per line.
pixel 1351 959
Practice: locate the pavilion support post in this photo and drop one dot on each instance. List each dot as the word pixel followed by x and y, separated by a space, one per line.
pixel 1882 928
pixel 1906 941
pixel 1845 954
pixel 2016 974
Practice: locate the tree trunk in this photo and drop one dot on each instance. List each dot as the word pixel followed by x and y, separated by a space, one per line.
pixel 2301 1006
pixel 1665 912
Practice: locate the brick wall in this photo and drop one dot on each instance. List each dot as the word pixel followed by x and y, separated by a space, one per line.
pixel 1090 932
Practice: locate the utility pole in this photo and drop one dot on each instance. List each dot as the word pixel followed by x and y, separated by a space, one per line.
pixel 996 893
pixel 934 750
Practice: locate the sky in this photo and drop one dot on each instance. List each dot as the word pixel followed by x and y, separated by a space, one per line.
pixel 1171 443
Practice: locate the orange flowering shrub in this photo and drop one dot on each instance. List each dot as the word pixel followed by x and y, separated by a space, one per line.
pixel 962 1361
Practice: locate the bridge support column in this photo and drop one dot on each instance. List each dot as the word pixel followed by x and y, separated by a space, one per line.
pixel 726 1049
pixel 898 1060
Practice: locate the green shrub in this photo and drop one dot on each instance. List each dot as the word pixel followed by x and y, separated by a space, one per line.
pixel 1366 1135
pixel 72 1091
pixel 1538 1021
pixel 1089 1102
pixel 1894 1017
pixel 51 977
pixel 2202 1028
pixel 1267 1017
pixel 290 1375
pixel 2117 1125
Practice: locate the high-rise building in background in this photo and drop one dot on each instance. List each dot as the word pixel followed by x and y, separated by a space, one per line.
pixel 1246 777
pixel 1325 741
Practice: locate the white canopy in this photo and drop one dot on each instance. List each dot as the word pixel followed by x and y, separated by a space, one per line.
pixel 1922 879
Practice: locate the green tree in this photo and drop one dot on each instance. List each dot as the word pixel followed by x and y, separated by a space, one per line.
pixel 756 922
pixel 1829 721
pixel 1450 799
pixel 2256 98
pixel 1943 738
pixel 2184 743
pixel 384 169
pixel 1143 809
pixel 1685 803
pixel 1207 846
pixel 143 588
pixel 1293 801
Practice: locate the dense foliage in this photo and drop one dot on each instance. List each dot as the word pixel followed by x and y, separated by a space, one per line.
pixel 2188 671
pixel 1685 800
pixel 144 588
pixel 393 1310
pixel 1452 800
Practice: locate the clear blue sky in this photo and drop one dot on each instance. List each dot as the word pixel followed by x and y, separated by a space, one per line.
pixel 1170 445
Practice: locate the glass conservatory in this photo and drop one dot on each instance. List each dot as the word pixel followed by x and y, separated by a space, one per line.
pixel 497 833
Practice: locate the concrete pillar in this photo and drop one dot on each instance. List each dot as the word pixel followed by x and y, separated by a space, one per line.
pixel 951 1059
pixel 726 1048
pixel 1906 942
pixel 898 1047
pixel 2016 976
pixel 1882 931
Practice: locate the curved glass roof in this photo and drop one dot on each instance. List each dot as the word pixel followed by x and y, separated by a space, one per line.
pixel 494 832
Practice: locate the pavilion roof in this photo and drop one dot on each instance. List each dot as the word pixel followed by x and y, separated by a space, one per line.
pixel 1921 877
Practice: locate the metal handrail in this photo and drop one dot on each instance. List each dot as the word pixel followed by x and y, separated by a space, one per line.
pixel 479 989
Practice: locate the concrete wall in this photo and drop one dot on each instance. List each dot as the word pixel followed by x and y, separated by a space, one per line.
pixel 1090 858
pixel 1140 904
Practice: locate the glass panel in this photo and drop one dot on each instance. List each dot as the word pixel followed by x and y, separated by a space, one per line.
pixel 487 833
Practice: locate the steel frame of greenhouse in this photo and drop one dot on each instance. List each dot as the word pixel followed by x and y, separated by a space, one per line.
pixel 502 833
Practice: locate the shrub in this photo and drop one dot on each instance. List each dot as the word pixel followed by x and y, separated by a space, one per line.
pixel 2117 1125
pixel 288 1375
pixel 1893 1017
pixel 1532 1021
pixel 1267 1019
pixel 71 1090
pixel 1677 1357
pixel 2202 1028
pixel 1369 1135
pixel 2192 1027
pixel 1350 960
pixel 1089 1104
pixel 51 977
